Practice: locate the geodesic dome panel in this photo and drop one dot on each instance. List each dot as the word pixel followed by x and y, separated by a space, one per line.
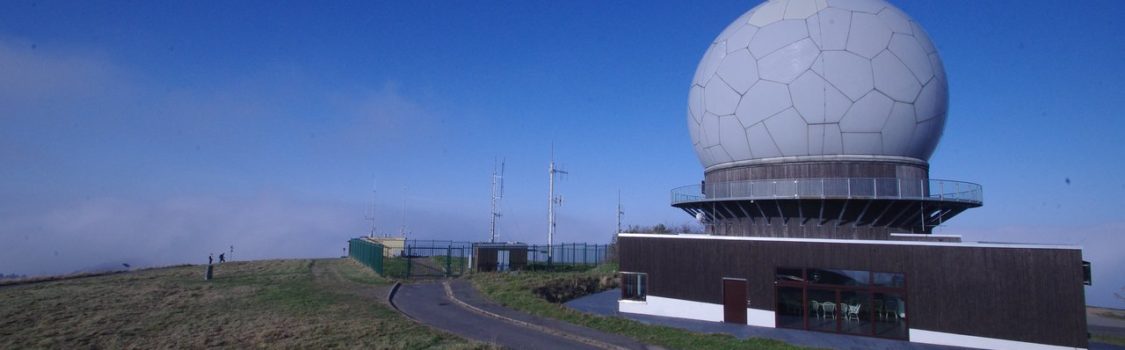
pixel 798 78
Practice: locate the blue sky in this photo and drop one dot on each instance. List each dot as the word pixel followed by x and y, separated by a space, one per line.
pixel 157 132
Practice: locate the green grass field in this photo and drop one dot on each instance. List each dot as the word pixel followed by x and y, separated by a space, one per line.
pixel 272 304
pixel 515 291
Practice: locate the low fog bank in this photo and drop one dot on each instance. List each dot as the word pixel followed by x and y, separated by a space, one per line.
pixel 100 234
pixel 105 233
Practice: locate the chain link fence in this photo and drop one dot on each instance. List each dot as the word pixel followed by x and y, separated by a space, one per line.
pixel 368 253
pixel 428 258
pixel 567 256
pixel 434 259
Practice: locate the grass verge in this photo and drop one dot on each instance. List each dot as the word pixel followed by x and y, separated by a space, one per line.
pixel 274 304
pixel 1108 339
pixel 516 291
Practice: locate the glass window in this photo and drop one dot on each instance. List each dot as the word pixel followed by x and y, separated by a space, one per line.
pixel 789 308
pixel 790 275
pixel 855 312
pixel 634 286
pixel 890 315
pixel 824 310
pixel 1086 274
pixel 839 277
pixel 884 279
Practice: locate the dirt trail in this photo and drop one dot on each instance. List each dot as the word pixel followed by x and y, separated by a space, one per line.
pixel 329 277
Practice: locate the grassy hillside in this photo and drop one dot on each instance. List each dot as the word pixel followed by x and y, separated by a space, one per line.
pixel 281 303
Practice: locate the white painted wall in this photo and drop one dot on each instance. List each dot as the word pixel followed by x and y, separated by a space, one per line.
pixel 761 318
pixel 668 307
pixel 952 339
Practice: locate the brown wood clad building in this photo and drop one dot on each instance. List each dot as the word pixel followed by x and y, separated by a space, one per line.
pixel 486 257
pixel 1021 293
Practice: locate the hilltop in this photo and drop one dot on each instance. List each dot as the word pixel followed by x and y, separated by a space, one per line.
pixel 274 303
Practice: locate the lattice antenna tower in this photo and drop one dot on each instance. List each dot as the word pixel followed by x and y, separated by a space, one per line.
pixel 370 216
pixel 402 230
pixel 497 195
pixel 553 201
pixel 620 211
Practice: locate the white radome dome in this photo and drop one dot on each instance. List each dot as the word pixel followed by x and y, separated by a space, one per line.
pixel 816 79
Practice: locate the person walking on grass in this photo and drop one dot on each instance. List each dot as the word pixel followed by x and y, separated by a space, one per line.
pixel 222 258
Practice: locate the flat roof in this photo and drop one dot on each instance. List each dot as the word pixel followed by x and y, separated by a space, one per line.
pixel 499 244
pixel 855 241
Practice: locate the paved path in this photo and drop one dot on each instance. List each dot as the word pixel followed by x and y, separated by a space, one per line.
pixel 429 303
pixel 465 292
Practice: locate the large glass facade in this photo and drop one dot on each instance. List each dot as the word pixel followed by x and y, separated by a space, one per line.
pixel 842 301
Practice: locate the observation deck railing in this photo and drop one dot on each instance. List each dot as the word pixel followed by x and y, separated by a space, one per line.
pixel 834 188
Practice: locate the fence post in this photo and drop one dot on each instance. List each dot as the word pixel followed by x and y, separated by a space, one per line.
pixel 449 260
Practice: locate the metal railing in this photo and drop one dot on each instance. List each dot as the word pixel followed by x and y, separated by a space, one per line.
pixel 568 254
pixel 834 188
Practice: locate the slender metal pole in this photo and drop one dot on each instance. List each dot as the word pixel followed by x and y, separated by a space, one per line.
pixel 551 202
pixel 551 208
pixel 373 200
pixel 492 216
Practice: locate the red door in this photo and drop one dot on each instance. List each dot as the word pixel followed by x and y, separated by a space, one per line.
pixel 734 301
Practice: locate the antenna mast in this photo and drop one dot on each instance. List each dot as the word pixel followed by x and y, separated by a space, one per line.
pixel 372 216
pixel 497 194
pixel 552 202
pixel 620 212
pixel 402 231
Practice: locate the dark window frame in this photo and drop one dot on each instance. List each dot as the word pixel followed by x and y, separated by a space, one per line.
pixel 638 289
pixel 871 289
pixel 1087 273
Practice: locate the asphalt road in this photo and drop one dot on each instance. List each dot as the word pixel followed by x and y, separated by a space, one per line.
pixel 428 303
